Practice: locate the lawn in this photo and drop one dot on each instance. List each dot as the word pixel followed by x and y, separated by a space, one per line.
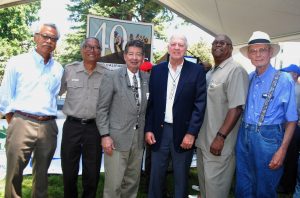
pixel 56 186
pixel 55 189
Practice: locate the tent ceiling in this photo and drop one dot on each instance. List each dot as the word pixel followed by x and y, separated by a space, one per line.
pixel 8 3
pixel 239 18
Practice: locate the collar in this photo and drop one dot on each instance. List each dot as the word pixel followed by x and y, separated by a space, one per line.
pixel 39 59
pixel 178 68
pixel 130 74
pixel 81 68
pixel 222 65
pixel 270 70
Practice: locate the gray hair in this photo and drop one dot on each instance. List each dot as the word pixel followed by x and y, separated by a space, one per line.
pixel 41 25
pixel 87 39
pixel 179 35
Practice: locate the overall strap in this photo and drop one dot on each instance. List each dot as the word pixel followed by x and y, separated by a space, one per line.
pixel 268 99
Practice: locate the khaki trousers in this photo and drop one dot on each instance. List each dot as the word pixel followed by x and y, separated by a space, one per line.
pixel 24 137
pixel 215 174
pixel 122 172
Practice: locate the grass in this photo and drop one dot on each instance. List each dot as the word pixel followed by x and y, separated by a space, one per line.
pixel 55 189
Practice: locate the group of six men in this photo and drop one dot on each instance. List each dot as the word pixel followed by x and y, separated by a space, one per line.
pixel 118 110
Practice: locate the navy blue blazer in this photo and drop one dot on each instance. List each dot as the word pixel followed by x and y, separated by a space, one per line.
pixel 189 102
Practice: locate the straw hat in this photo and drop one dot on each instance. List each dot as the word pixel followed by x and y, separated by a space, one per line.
pixel 259 37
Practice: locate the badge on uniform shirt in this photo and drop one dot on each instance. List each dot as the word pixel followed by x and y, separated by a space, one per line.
pixel 75 79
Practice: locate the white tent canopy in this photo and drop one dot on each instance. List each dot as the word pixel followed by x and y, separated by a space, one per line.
pixel 239 18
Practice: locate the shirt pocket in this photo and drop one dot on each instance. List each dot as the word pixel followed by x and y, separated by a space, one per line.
pixel 74 89
pixel 272 110
pixel 216 91
pixel 50 81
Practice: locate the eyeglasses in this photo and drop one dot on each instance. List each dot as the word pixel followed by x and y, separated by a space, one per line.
pixel 221 43
pixel 46 37
pixel 92 48
pixel 260 50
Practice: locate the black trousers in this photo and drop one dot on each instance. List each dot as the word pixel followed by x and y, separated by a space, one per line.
pixel 288 180
pixel 80 140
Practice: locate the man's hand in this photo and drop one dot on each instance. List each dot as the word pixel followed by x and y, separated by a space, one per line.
pixel 187 141
pixel 149 138
pixel 107 145
pixel 217 145
pixel 277 159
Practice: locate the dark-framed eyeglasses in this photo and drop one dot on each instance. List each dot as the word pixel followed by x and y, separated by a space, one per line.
pixel 46 37
pixel 92 48
pixel 221 43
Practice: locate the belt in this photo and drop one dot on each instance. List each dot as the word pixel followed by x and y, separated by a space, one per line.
pixel 167 123
pixel 81 120
pixel 35 117
pixel 280 127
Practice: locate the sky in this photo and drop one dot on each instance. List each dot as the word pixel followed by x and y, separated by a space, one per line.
pixel 55 11
pixel 194 34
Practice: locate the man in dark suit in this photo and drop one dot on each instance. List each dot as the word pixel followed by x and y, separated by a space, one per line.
pixel 175 112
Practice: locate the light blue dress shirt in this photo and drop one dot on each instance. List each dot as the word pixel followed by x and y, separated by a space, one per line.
pixel 282 107
pixel 30 86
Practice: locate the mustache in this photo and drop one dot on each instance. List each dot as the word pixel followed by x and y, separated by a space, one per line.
pixel 46 45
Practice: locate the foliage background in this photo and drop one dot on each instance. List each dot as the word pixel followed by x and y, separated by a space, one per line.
pixel 16 36
pixel 15 33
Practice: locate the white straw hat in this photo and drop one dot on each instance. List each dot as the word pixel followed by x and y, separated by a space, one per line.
pixel 259 37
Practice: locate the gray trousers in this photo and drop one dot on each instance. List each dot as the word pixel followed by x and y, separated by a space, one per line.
pixel 215 174
pixel 122 172
pixel 24 137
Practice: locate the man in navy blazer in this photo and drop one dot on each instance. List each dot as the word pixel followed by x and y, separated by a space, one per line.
pixel 175 113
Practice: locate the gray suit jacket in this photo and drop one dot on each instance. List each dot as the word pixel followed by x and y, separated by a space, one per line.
pixel 117 110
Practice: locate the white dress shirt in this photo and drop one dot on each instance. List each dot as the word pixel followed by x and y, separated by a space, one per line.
pixel 31 86
pixel 130 75
pixel 173 79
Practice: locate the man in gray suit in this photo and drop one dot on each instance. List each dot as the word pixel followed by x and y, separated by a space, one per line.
pixel 120 119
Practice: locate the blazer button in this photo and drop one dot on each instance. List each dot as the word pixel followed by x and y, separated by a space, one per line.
pixel 162 126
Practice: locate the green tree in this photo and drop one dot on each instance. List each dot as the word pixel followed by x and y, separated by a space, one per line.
pixel 132 10
pixel 202 51
pixel 15 34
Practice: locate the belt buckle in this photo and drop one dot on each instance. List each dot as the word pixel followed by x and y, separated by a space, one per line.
pixel 83 121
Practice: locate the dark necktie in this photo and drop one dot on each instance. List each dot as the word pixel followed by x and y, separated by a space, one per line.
pixel 136 91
